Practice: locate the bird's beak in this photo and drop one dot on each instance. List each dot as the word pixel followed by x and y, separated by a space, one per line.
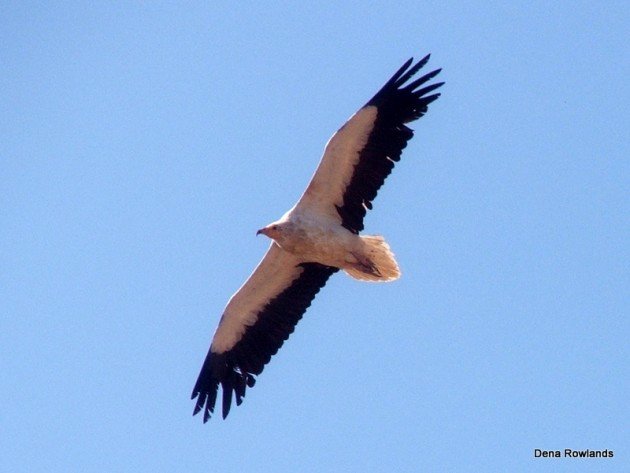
pixel 262 230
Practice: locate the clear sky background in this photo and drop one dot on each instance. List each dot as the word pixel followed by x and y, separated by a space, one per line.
pixel 143 143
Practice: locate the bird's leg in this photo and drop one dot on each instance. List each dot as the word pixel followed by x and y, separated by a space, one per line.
pixel 364 264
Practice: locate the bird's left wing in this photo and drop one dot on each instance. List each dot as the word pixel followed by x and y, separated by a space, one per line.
pixel 257 320
pixel 362 153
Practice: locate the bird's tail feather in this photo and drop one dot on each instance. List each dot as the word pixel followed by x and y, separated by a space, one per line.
pixel 376 262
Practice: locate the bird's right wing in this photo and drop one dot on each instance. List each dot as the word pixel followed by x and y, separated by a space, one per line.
pixel 362 153
pixel 257 320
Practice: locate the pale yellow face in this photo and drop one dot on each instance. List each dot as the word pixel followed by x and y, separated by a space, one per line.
pixel 272 231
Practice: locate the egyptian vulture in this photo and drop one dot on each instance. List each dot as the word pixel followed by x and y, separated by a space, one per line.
pixel 316 238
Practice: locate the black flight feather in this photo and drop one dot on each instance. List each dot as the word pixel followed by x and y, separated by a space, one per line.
pixel 396 105
pixel 236 369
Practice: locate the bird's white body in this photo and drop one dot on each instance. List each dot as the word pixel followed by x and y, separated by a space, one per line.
pixel 315 239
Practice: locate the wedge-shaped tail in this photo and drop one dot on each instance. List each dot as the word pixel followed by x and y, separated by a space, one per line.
pixel 376 262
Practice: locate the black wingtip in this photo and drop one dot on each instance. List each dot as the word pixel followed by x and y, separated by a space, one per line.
pixel 227 399
pixel 431 98
pixel 401 76
pixel 199 405
pixel 418 82
pixel 399 73
pixel 410 73
pixel 427 89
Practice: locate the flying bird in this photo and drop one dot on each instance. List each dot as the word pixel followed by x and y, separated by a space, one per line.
pixel 315 239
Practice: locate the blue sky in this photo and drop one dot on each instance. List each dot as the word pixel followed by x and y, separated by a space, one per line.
pixel 143 143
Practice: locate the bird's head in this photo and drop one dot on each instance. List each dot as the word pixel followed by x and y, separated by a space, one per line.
pixel 273 231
